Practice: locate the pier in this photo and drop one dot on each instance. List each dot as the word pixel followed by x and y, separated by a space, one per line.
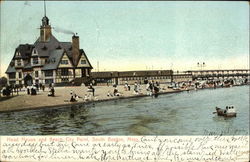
pixel 216 74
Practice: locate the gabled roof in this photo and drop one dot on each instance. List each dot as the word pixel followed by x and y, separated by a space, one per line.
pixel 10 69
pixel 83 53
pixel 25 50
pixel 66 45
pixel 54 59
pixel 51 49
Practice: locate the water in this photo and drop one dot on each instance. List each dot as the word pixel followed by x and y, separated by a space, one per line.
pixel 170 114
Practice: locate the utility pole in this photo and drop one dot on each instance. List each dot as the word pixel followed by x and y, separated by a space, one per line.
pixel 201 65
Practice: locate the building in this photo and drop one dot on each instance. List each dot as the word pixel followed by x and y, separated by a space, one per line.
pixel 48 60
pixel 219 74
pixel 130 77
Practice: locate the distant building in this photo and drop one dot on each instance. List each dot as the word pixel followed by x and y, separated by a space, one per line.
pixel 219 74
pixel 48 60
pixel 130 77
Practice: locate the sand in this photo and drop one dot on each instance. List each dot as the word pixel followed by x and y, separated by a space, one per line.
pixel 24 101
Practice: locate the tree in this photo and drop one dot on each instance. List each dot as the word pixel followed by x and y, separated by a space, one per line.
pixel 3 82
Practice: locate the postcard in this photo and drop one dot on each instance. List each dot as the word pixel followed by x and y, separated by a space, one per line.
pixel 124 81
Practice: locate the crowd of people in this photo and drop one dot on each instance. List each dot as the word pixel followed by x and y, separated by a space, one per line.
pixel 74 97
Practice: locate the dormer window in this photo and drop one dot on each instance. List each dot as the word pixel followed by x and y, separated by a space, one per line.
pixel 19 62
pixel 34 52
pixel 83 61
pixel 35 60
pixel 65 62
pixel 17 53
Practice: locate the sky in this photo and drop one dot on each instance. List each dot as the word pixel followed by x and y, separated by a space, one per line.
pixel 142 35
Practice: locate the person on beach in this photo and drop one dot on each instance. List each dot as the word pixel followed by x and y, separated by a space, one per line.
pixel 37 87
pixel 72 93
pixel 51 92
pixel 136 88
pixel 148 88
pixel 109 94
pixel 126 86
pixel 129 87
pixel 43 87
pixel 151 86
pixel 86 98
pixel 28 90
pixel 33 90
pixel 72 99
pixel 93 91
pixel 116 92
pixel 50 85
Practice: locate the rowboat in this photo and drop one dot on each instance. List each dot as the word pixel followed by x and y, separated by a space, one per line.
pixel 228 112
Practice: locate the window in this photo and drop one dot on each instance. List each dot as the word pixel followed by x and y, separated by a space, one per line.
pixel 48 81
pixel 36 74
pixel 20 75
pixel 64 72
pixel 35 60
pixel 65 79
pixel 12 75
pixel 19 62
pixel 48 73
pixel 83 61
pixel 35 52
pixel 65 62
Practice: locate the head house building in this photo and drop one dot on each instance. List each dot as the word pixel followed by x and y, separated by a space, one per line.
pixel 48 60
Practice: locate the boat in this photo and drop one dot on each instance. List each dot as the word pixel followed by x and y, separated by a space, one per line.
pixel 228 112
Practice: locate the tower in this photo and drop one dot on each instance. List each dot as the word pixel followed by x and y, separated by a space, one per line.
pixel 45 28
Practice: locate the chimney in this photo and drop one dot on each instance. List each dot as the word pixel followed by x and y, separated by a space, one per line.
pixel 75 49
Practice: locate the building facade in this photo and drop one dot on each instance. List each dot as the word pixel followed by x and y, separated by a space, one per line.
pixel 48 60
pixel 130 77
pixel 219 74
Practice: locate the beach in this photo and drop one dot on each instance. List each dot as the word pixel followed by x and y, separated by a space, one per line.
pixel 23 101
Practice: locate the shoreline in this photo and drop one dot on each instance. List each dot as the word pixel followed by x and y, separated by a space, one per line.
pixel 69 104
pixel 87 103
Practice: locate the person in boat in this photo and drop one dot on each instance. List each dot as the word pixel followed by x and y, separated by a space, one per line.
pixel 225 111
